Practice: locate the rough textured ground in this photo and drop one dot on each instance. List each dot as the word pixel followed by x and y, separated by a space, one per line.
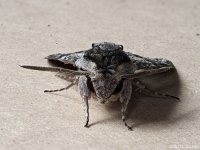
pixel 33 29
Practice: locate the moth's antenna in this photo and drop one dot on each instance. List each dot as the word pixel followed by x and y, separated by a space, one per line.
pixel 55 69
pixel 65 88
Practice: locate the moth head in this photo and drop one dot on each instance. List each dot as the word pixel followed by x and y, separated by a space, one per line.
pixel 107 46
pixel 106 60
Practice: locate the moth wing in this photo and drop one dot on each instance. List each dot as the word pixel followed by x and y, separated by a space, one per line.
pixel 65 61
pixel 146 63
pixel 69 58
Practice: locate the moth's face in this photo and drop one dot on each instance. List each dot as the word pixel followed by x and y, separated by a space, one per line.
pixel 108 65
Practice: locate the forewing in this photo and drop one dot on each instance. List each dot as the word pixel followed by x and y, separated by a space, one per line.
pixel 66 61
pixel 69 58
pixel 146 63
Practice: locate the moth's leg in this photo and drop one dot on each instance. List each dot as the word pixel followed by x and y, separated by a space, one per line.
pixel 65 88
pixel 66 76
pixel 125 96
pixel 85 94
pixel 144 89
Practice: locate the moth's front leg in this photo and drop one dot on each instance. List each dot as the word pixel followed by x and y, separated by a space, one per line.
pixel 85 94
pixel 125 96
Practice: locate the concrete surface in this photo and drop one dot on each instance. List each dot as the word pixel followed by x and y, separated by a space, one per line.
pixel 33 29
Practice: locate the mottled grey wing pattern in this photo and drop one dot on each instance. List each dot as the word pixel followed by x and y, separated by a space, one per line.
pixel 69 58
pixel 69 62
pixel 149 63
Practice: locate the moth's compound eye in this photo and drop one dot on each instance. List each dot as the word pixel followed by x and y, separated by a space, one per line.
pixel 96 57
pixel 114 60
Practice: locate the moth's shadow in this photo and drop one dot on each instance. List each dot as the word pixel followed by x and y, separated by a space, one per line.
pixel 144 109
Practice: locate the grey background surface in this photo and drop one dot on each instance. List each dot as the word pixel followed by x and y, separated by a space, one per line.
pixel 33 29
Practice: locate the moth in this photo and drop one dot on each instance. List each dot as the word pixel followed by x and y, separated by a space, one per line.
pixel 107 71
